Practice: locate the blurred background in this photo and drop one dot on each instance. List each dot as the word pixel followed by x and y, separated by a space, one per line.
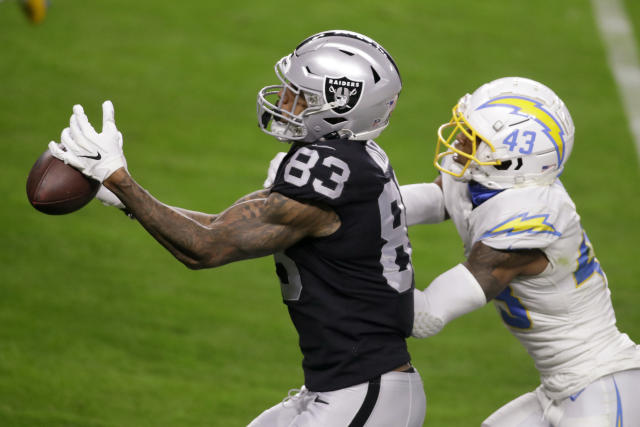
pixel 100 326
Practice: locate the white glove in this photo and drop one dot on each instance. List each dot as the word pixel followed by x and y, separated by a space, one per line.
pixel 274 164
pixel 97 155
pixel 108 198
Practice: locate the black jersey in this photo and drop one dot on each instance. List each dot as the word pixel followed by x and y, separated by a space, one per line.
pixel 350 295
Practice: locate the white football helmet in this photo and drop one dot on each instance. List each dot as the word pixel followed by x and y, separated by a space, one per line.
pixel 349 82
pixel 521 134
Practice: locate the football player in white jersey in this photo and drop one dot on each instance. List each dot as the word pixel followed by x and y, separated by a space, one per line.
pixel 501 156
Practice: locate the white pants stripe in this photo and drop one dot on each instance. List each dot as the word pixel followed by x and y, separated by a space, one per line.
pixel 395 399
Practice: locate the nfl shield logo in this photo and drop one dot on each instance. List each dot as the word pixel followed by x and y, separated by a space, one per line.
pixel 343 90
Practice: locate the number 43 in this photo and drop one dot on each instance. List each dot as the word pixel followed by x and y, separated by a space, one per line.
pixel 512 141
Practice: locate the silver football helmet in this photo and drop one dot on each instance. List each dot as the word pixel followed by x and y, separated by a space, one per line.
pixel 348 82
pixel 520 132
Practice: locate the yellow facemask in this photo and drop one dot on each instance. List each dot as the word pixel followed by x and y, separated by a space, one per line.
pixel 446 145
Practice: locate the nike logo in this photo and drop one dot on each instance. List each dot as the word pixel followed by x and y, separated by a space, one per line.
pixel 96 157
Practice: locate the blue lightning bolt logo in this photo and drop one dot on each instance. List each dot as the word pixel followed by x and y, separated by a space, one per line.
pixel 523 224
pixel 530 108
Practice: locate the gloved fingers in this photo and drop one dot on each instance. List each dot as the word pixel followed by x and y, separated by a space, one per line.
pixel 108 117
pixel 78 136
pixel 83 122
pixel 56 150
pixel 67 156
pixel 68 142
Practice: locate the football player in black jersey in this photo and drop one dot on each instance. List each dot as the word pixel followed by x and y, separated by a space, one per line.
pixel 333 219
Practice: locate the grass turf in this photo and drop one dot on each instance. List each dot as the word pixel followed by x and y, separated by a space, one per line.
pixel 99 326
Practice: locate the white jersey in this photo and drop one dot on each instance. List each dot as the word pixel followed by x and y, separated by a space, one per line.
pixel 563 316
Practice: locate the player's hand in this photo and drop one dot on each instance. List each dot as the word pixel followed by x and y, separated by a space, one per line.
pixel 274 164
pixel 97 155
pixel 108 198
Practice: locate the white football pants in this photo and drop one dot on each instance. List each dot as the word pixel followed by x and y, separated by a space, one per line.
pixel 611 401
pixel 395 399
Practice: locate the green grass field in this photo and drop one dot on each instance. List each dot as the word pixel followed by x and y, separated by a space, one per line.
pixel 100 326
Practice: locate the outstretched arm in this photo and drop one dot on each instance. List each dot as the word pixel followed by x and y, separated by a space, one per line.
pixel 256 226
pixel 107 198
pixel 469 286
pixel 259 224
pixel 208 219
pixel 424 203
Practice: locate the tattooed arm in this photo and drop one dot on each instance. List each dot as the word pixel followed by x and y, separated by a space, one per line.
pixel 208 219
pixel 494 269
pixel 259 224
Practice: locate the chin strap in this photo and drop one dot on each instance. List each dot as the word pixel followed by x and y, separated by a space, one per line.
pixel 338 134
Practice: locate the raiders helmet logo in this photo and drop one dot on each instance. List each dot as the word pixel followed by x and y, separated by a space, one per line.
pixel 343 90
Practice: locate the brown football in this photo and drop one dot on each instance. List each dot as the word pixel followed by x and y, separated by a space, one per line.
pixel 55 188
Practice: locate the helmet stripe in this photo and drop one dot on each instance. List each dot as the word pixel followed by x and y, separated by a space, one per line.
pixel 526 106
pixel 353 35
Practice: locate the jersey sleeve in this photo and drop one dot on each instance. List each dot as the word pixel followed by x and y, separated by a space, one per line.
pixel 424 203
pixel 517 219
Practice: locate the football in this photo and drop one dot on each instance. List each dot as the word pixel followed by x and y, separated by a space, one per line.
pixel 55 188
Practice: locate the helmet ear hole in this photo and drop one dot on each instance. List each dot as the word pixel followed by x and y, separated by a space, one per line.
pixel 503 165
pixel 507 164
pixel 335 120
